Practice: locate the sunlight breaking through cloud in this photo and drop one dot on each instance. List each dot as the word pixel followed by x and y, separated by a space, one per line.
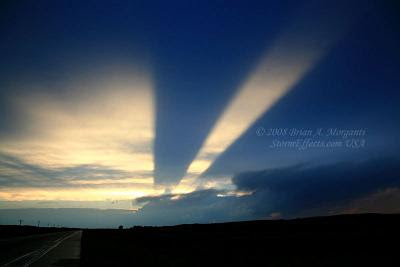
pixel 103 127
pixel 286 62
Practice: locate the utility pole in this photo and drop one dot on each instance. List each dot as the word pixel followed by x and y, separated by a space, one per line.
pixel 38 223
pixel 20 222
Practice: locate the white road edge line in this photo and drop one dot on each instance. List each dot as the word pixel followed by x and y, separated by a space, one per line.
pixel 17 259
pixel 58 242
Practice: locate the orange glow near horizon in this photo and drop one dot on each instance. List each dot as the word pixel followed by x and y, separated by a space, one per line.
pixel 77 194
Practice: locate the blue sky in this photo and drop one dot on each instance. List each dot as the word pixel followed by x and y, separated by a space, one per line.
pixel 190 111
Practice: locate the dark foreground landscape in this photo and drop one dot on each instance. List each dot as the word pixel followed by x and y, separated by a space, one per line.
pixel 346 240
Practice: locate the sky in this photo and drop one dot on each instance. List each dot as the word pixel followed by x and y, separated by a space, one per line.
pixel 171 112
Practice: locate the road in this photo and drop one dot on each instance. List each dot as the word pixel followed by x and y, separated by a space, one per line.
pixel 53 249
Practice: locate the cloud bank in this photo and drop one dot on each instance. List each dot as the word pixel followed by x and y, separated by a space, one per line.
pixel 293 191
pixel 300 190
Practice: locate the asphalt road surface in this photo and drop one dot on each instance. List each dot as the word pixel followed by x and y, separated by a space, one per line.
pixel 53 249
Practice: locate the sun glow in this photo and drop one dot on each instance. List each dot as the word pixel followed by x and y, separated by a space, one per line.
pixel 105 125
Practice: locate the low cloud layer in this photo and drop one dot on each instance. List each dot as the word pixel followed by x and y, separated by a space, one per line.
pixel 204 206
pixel 296 189
pixel 300 190
pixel 16 173
pixel 23 181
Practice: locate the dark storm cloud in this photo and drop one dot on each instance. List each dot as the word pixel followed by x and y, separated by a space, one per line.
pixel 286 192
pixel 289 191
pixel 15 172
pixel 296 188
pixel 198 57
pixel 203 206
pixel 383 201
